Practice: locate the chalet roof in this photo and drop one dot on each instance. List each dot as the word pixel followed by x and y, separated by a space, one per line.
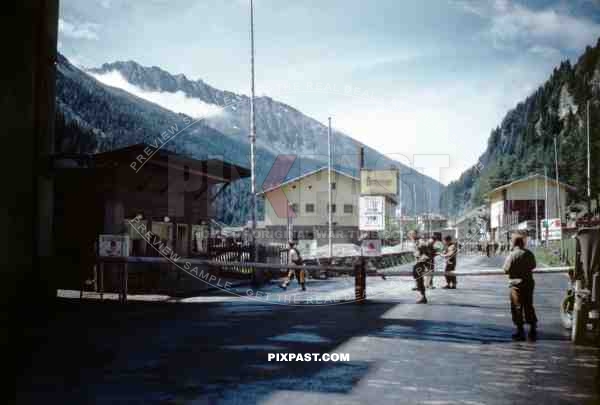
pixel 529 178
pixel 307 174
pixel 216 169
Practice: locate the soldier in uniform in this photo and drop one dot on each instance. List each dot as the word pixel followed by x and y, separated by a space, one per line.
pixel 519 266
pixel 450 253
pixel 422 254
pixel 294 258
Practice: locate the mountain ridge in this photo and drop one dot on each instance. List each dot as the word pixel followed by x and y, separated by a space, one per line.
pixel 523 143
pixel 120 119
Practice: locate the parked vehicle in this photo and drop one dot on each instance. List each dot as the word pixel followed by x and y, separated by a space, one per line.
pixel 580 309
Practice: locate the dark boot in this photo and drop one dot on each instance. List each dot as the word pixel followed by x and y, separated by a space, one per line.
pixel 303 287
pixel 519 335
pixel 532 333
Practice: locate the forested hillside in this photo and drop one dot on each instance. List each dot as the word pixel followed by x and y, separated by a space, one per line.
pixel 523 144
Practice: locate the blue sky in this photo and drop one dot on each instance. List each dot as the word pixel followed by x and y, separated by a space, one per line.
pixel 427 79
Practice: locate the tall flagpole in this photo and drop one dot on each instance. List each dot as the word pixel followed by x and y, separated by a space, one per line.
pixel 589 162
pixel 253 134
pixel 329 216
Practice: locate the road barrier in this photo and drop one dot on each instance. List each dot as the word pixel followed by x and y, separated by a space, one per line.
pixel 359 269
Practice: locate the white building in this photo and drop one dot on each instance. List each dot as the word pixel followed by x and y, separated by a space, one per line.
pixel 303 203
pixel 522 204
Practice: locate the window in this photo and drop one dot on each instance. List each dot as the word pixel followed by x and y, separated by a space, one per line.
pixel 333 207
pixel 333 185
pixel 348 208
pixel 309 208
pixel 295 208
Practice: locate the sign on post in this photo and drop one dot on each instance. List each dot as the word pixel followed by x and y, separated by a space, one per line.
pixel 113 245
pixel 551 229
pixel 371 247
pixel 372 213
pixel 379 182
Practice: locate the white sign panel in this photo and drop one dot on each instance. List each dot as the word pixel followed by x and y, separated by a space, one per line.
pixel 113 245
pixel 496 214
pixel 307 247
pixel 371 247
pixel 551 229
pixel 372 213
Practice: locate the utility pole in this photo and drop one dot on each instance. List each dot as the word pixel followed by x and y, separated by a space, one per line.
pixel 537 219
pixel 546 192
pixel 253 135
pixel 557 184
pixel 589 163
pixel 330 233
pixel 400 198
pixel 415 200
pixel 558 192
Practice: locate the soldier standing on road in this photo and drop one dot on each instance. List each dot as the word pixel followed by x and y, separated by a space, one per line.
pixel 294 258
pixel 428 279
pixel 450 253
pixel 519 266
pixel 422 256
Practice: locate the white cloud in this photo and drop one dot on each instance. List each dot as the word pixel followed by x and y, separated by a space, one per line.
pixel 177 102
pixel 77 30
pixel 512 24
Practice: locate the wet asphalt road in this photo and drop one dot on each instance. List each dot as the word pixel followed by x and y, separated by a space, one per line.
pixel 455 350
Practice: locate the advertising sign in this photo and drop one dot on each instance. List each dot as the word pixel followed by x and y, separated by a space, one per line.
pixel 379 182
pixel 372 213
pixel 113 245
pixel 371 247
pixel 551 229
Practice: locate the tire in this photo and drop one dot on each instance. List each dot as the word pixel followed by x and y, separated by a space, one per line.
pixel 566 310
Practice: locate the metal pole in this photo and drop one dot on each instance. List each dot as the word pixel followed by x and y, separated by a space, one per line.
pixel 253 135
pixel 400 198
pixel 289 221
pixel 546 192
pixel 330 233
pixel 546 201
pixel 537 218
pixel 558 193
pixel 415 200
pixel 557 184
pixel 589 162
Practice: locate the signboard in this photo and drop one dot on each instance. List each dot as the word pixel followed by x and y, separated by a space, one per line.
pixel 372 213
pixel 113 245
pixel 551 229
pixel 371 247
pixel 379 182
pixel 496 214
pixel 307 247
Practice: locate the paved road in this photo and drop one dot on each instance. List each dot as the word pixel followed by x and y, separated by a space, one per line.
pixel 455 350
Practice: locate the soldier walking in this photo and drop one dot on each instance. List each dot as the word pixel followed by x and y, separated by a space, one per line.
pixel 519 266
pixel 422 254
pixel 294 258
